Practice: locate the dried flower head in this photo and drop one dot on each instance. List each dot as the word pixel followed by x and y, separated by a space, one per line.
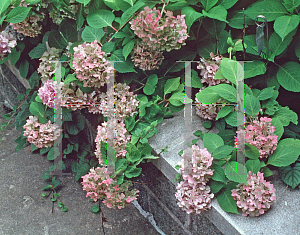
pixel 91 64
pixel 30 26
pixel 41 135
pixel 120 138
pixel 192 193
pixel 146 58
pixel 261 135
pixel 160 32
pixel 209 68
pixel 256 196
pixel 124 103
pixel 49 61
pixel 100 186
pixel 7 43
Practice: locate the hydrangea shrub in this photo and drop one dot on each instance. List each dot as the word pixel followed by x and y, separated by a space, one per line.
pixel 7 43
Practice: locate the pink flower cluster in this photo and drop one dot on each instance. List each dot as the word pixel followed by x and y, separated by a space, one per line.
pixel 146 58
pixel 209 68
pixel 160 32
pixel 261 135
pixel 100 186
pixel 7 43
pixel 125 103
pixel 120 137
pixel 48 92
pixel 91 64
pixel 256 196
pixel 41 135
pixel 49 60
pixel 192 193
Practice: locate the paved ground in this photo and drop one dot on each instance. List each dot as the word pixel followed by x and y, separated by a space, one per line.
pixel 23 213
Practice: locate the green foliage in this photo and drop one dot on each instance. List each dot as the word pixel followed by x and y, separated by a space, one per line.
pixel 290 175
pixel 289 77
pixel 212 141
pixel 100 18
pixel 236 172
pixel 90 34
pixel 191 16
pixel 226 201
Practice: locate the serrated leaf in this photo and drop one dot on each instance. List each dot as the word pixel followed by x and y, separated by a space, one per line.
pixel 219 174
pixel 288 76
pixel 90 34
pixel 218 13
pixel 222 151
pixel 285 116
pixel 18 14
pixel 171 85
pixel 236 172
pixel 252 105
pixel 212 141
pixel 251 151
pixel 191 15
pixel 208 95
pixel 216 186
pixel 285 24
pixel 226 201
pixel 224 111
pixel 100 18
pixel 226 91
pixel 290 175
pixel 150 86
pixel 253 165
pixel 254 68
pixel 95 208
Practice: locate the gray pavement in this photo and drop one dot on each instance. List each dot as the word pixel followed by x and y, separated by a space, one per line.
pixel 23 213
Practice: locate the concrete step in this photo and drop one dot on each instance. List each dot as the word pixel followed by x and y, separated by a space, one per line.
pixel 282 218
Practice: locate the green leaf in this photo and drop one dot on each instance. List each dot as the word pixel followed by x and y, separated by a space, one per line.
pixel 33 147
pixel 231 119
pixel 69 149
pixel 289 77
pixel 297 51
pixel 235 20
pixel 252 105
pixel 198 133
pixel 37 109
pixel 208 95
pixel 206 124
pixel 100 18
pixel 212 141
pixel 46 175
pixel 150 86
pixel 251 151
pixel 179 98
pixel 121 165
pixel 128 48
pixel 130 11
pixel 268 8
pixel 133 154
pixel 76 125
pixel 278 127
pixel 44 150
pixel 231 70
pixel 56 40
pixel 265 93
pixel 254 68
pixel 286 153
pixel 131 2
pixel 23 69
pixel 15 56
pixel 53 153
pixel 125 67
pixel 208 4
pixel 171 85
pixel 216 186
pixel 226 91
pixel 68 29
pixel 90 34
pixel 285 116
pixel 195 80
pixel 234 174
pixel 222 151
pixel 224 111
pixel 226 201
pixel 219 174
pixel 38 51
pixel 191 16
pixel 227 3
pixel 79 18
pixel 290 175
pixel 17 14
pixel 267 172
pixel 277 46
pixel 47 187
pixel 95 208
pixel 4 5
pixel 218 13
pixel 82 170
pixel 253 165
pixel 129 123
pixel 134 172
pixel 285 24
pixel 70 78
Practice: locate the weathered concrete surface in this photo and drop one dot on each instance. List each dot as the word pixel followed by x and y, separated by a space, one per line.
pixel 23 213
pixel 282 218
